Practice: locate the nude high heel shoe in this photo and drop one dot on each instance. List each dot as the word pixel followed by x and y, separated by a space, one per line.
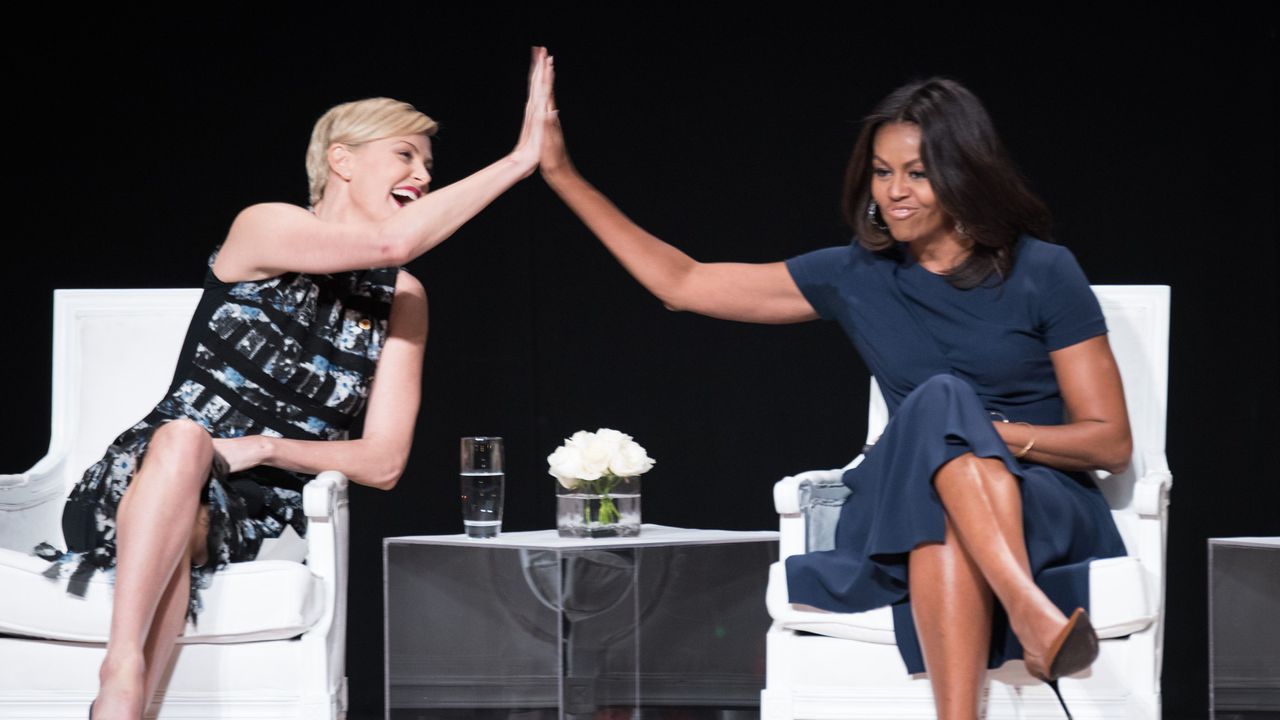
pixel 1075 649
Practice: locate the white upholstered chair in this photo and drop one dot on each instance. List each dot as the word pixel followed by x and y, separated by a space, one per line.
pixel 270 641
pixel 838 665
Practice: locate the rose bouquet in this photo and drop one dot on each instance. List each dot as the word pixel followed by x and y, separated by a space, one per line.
pixel 593 468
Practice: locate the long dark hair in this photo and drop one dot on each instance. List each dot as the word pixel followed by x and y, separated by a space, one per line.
pixel 971 175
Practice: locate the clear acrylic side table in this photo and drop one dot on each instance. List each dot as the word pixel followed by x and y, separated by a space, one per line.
pixel 1244 630
pixel 533 626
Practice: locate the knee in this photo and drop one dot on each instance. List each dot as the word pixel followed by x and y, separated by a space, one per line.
pixel 989 474
pixel 182 432
pixel 182 441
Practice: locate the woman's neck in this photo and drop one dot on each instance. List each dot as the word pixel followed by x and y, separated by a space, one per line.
pixel 329 211
pixel 336 206
pixel 942 254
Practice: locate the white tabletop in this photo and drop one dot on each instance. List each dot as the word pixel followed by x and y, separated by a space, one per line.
pixel 1267 542
pixel 650 535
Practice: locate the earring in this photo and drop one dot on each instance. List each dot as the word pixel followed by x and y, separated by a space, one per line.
pixel 873 216
pixel 961 230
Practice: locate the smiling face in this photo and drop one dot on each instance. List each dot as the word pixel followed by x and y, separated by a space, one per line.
pixel 383 175
pixel 900 186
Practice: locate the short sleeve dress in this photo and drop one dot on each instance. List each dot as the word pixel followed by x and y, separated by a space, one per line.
pixel 291 356
pixel 946 359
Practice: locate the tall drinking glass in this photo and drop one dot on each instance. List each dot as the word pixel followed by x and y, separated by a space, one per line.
pixel 482 485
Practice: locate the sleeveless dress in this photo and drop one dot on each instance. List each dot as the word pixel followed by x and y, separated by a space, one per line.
pixel 291 356
pixel 945 360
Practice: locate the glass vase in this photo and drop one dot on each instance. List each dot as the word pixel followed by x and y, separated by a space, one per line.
pixel 606 507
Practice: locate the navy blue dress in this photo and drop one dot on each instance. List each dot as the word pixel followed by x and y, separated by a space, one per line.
pixel 944 358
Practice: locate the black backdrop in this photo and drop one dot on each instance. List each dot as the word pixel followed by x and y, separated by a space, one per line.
pixel 135 138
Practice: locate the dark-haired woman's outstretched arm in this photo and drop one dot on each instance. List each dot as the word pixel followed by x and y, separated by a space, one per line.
pixel 761 293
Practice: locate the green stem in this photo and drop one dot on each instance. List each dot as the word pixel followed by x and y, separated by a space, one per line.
pixel 607 512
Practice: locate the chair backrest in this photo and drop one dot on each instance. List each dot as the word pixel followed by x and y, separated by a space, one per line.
pixel 1138 324
pixel 114 353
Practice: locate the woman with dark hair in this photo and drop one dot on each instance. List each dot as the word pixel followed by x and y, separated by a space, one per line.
pixel 982 337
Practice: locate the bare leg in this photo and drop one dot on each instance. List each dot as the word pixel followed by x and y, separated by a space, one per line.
pixel 153 528
pixel 951 604
pixel 984 503
pixel 171 615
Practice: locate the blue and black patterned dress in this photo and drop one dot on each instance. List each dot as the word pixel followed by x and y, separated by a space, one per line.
pixel 291 356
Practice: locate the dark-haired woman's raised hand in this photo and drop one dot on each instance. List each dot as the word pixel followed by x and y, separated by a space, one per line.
pixel 554 157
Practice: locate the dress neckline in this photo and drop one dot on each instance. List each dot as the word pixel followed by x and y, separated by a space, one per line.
pixel 907 260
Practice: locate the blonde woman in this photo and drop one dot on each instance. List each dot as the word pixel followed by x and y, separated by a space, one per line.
pixel 294 337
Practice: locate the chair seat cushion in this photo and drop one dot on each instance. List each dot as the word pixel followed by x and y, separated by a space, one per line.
pixel 1118 603
pixel 260 600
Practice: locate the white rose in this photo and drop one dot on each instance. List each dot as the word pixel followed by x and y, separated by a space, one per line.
pixel 566 465
pixel 596 453
pixel 630 460
pixel 614 437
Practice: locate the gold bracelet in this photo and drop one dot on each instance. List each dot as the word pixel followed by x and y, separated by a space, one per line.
pixel 1030 443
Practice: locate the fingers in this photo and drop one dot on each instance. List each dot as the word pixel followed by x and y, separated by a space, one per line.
pixel 535 59
pixel 551 82
pixel 538 64
pixel 539 108
pixel 541 79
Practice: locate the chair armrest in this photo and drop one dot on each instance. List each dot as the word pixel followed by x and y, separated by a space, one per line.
pixel 796 498
pixel 1151 491
pixel 13 481
pixel 324 500
pixel 324 494
pixel 41 484
pixel 790 491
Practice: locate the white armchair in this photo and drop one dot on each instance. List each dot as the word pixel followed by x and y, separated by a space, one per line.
pixel 845 665
pixel 271 639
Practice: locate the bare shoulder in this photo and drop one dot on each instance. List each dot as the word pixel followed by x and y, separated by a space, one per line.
pixel 410 287
pixel 266 220
pixel 266 212
pixel 409 306
pixel 252 230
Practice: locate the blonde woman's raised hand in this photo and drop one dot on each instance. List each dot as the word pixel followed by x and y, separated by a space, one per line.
pixel 541 80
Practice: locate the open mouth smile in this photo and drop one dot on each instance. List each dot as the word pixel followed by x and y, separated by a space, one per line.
pixel 405 194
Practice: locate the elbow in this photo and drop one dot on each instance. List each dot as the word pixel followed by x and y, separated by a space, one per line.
pixel 394 248
pixel 1120 455
pixel 387 474
pixel 677 293
pixel 671 302
pixel 389 483
pixel 387 479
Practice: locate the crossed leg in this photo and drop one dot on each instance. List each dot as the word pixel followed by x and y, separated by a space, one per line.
pixel 983 554
pixel 156 530
pixel 952 605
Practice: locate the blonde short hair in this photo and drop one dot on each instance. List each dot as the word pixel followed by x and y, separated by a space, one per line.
pixel 359 122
